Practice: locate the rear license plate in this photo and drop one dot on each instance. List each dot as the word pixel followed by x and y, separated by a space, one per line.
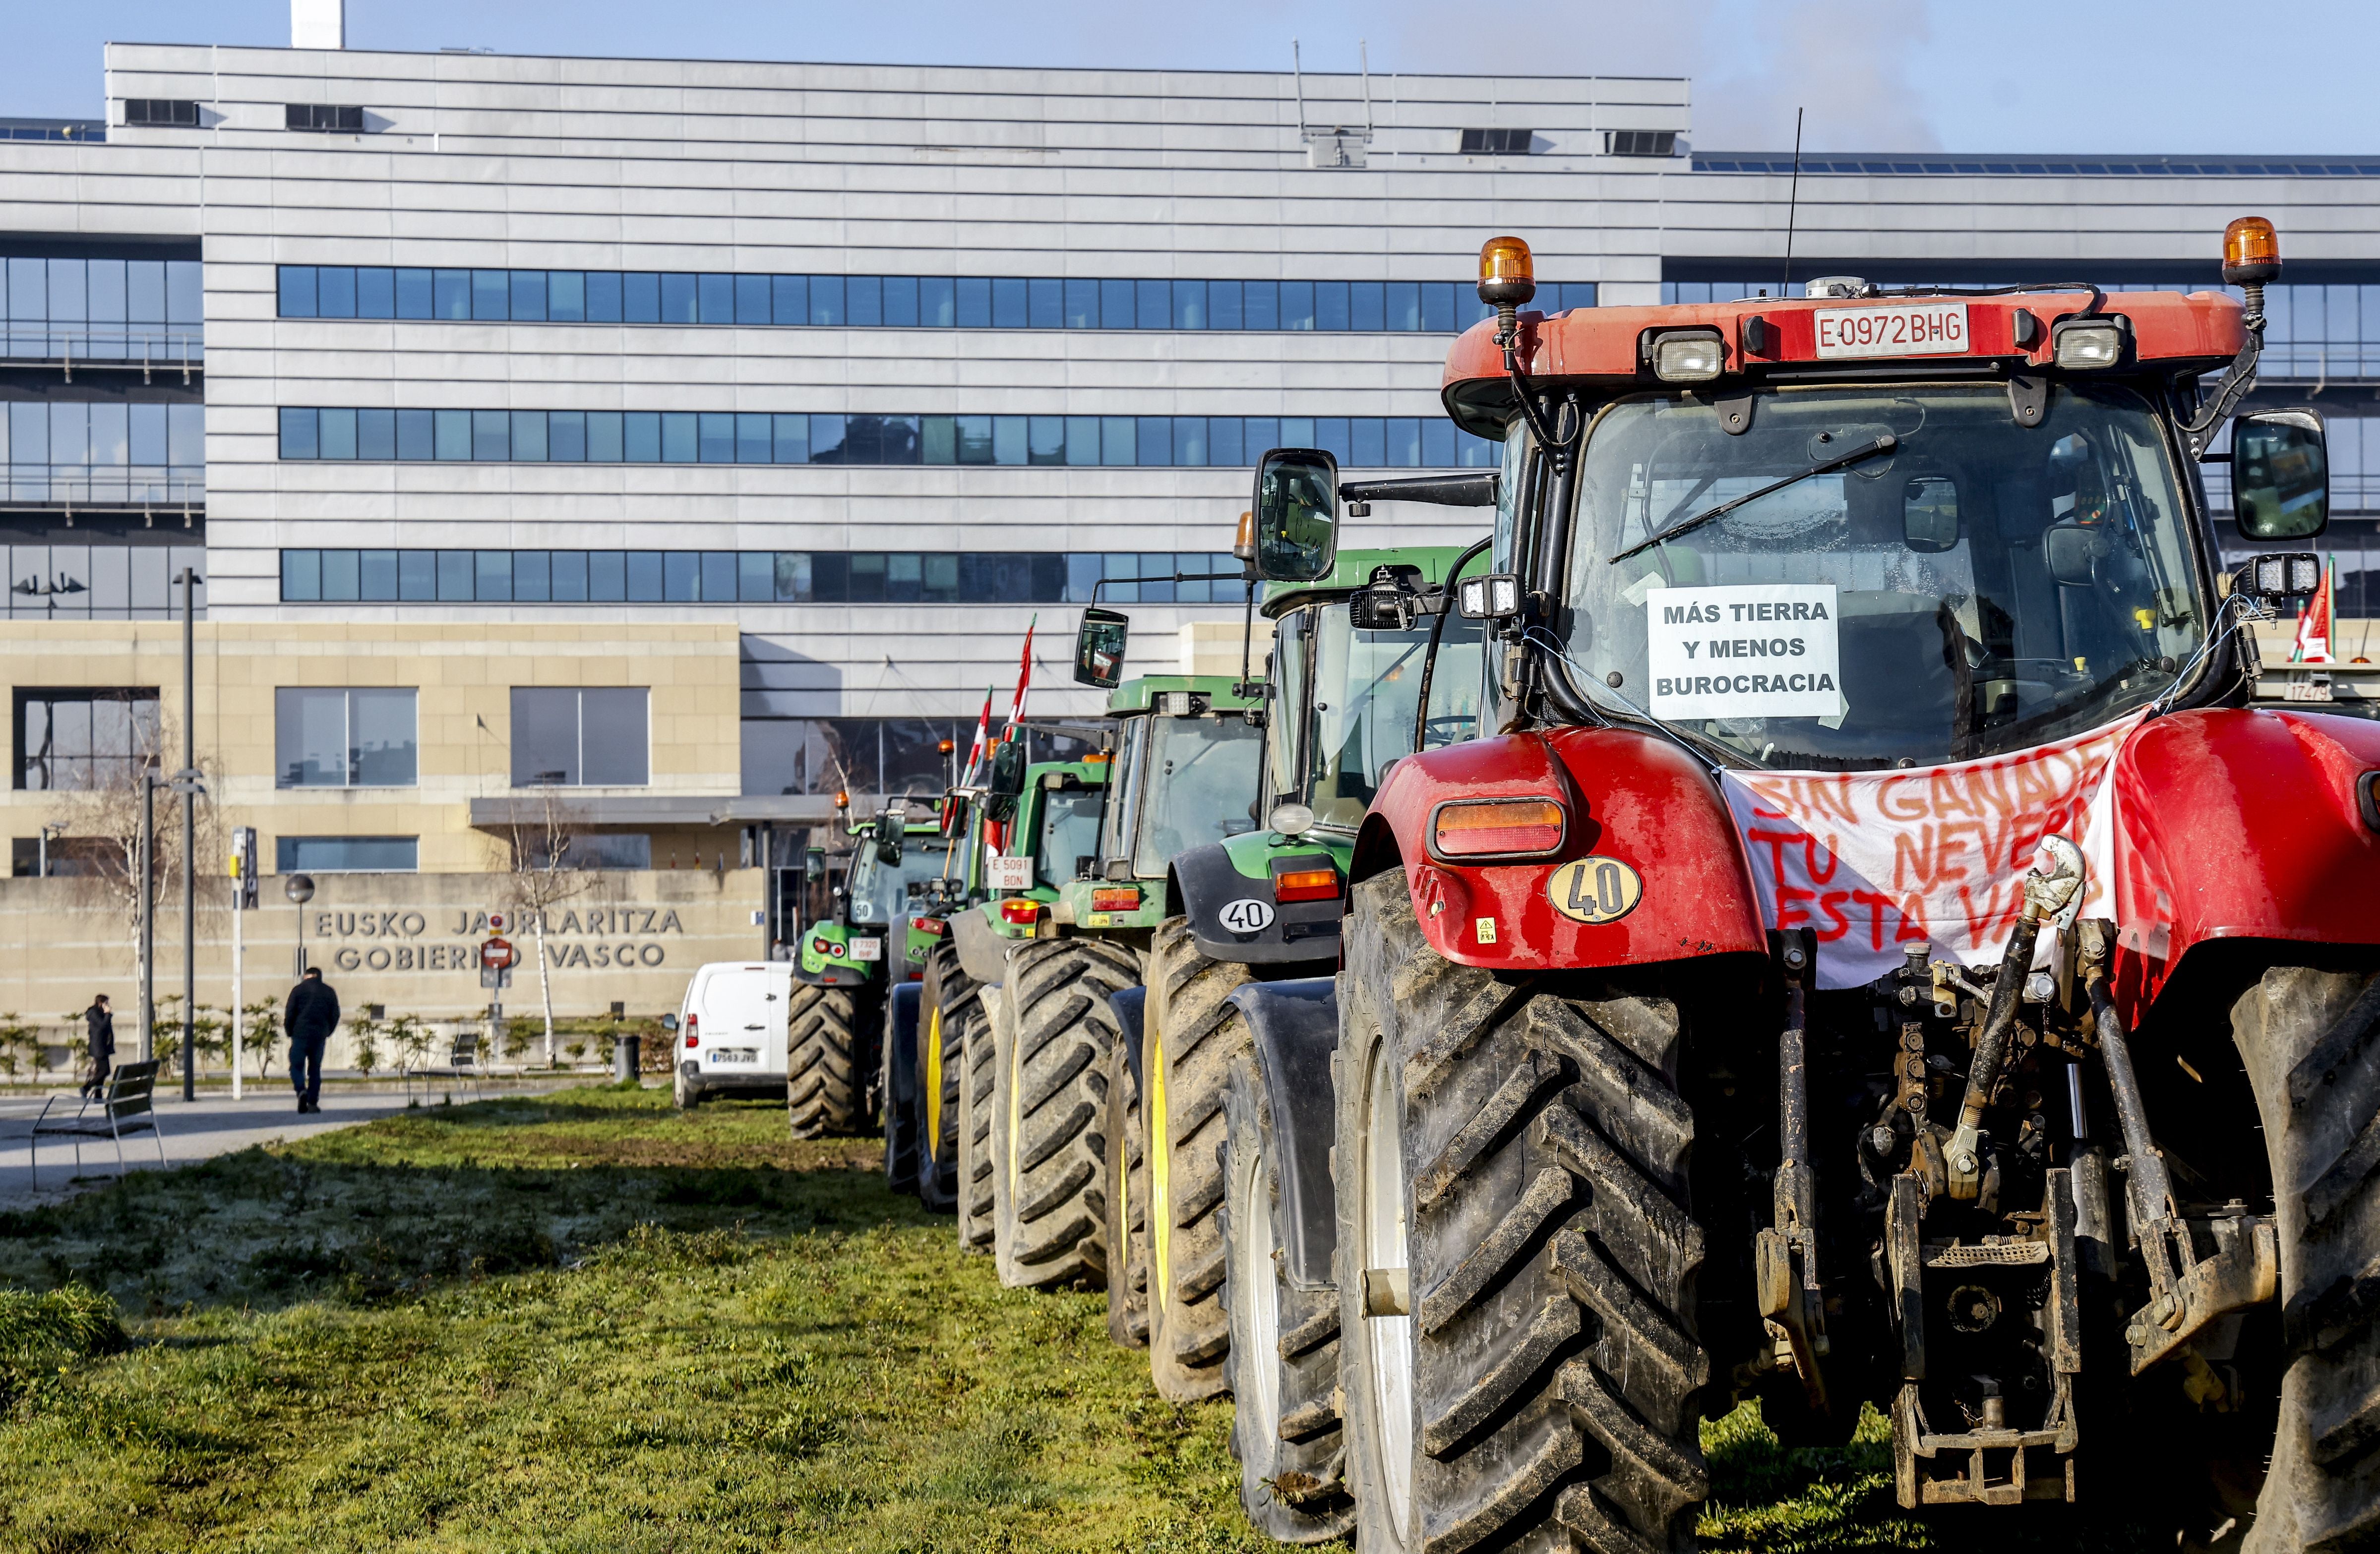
pixel 1914 329
pixel 735 1054
pixel 867 949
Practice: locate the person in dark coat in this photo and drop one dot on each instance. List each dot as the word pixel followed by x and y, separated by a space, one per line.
pixel 312 1015
pixel 101 1043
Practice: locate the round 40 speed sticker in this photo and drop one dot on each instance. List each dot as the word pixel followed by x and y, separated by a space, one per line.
pixel 1247 915
pixel 1595 890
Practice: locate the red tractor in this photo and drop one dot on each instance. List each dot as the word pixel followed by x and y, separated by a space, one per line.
pixel 1878 957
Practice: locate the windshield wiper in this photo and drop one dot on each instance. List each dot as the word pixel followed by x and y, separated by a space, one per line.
pixel 1884 442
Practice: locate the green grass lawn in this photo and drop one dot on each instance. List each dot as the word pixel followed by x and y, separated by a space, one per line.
pixel 583 1321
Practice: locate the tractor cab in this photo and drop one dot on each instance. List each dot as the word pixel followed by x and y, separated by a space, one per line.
pixel 902 866
pixel 1052 837
pixel 1351 673
pixel 1187 773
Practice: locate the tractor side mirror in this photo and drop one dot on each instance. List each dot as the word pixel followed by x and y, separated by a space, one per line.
pixel 888 842
pixel 1098 648
pixel 1297 514
pixel 2069 551
pixel 2281 475
pixel 1929 515
pixel 1006 781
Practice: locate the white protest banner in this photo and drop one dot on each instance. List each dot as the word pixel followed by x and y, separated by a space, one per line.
pixel 1874 861
pixel 1745 650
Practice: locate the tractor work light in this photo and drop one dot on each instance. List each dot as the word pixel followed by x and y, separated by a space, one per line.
pixel 1116 898
pixel 2252 252
pixel 1486 828
pixel 1244 542
pixel 1317 882
pixel 2085 345
pixel 1682 357
pixel 1494 597
pixel 1290 819
pixel 2290 575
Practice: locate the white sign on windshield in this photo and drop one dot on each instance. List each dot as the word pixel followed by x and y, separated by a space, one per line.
pixel 1747 650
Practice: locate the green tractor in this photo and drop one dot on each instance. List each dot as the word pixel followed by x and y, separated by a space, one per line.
pixel 847 962
pixel 1351 688
pixel 1036 1075
pixel 1030 830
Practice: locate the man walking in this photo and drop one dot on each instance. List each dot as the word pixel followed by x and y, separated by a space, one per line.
pixel 313 1015
pixel 102 1046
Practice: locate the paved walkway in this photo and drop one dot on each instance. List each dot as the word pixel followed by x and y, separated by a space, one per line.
pixel 193 1131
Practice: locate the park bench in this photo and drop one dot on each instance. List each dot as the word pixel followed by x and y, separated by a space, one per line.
pixel 127 1106
pixel 463 1062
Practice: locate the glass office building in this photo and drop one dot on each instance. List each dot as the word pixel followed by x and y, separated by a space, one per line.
pixel 851 374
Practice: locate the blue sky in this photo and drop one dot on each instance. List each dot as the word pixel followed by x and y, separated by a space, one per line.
pixel 2128 75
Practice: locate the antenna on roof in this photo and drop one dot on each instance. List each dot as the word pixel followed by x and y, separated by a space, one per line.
pixel 1363 55
pixel 1793 205
pixel 1297 75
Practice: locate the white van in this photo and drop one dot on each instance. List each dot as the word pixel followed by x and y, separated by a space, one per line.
pixel 730 1033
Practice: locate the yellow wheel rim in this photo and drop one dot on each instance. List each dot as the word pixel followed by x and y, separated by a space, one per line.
pixel 934 1083
pixel 1160 1169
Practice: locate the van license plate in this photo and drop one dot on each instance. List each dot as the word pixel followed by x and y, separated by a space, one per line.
pixel 735 1054
pixel 1917 329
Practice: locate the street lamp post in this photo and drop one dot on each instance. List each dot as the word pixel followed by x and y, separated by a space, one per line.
pixel 299 889
pixel 185 782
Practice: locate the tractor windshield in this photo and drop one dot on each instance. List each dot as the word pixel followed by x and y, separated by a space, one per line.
pixel 881 892
pixel 1199 786
pixel 1070 835
pixel 1365 684
pixel 1972 587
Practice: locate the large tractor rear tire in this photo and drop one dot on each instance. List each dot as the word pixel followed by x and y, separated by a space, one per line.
pixel 1513 1153
pixel 1283 1368
pixel 825 1082
pixel 978 1062
pixel 946 1003
pixel 1193 1036
pixel 1125 1169
pixel 2310 1039
pixel 1050 1068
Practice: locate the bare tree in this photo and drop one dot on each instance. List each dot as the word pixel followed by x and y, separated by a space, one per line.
pixel 96 805
pixel 545 833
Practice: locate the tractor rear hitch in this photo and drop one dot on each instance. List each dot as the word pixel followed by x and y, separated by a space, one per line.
pixel 1785 1259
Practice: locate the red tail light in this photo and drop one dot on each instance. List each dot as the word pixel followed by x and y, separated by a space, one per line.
pixel 693 1029
pixel 1017 909
pixel 927 924
pixel 1497 827
pixel 1305 884
pixel 1121 898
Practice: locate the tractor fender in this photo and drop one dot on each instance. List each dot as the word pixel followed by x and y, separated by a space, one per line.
pixel 1128 1004
pixel 2236 823
pixel 1295 1026
pixel 983 955
pixel 1207 880
pixel 1631 797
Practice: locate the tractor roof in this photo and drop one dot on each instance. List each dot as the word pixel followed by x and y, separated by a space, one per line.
pixel 1607 347
pixel 1352 569
pixel 1140 696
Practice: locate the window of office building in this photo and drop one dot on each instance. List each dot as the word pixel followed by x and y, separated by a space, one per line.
pixel 1496 142
pixel 144 313
pixel 310 576
pixel 346 855
pixel 713 300
pixel 746 438
pixel 100 568
pixel 161 111
pixel 570 737
pixel 324 117
pixel 337 738
pixel 593 849
pixel 85 738
pixel 795 755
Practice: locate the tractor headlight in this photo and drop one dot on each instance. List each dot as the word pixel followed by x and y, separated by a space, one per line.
pixel 1695 357
pixel 2085 346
